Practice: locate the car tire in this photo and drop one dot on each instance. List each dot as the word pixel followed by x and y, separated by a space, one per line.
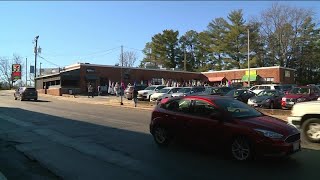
pixel 15 98
pixel 161 136
pixel 311 130
pixel 35 99
pixel 21 99
pixel 241 149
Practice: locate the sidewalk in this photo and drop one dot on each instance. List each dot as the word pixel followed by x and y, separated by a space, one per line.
pixel 104 100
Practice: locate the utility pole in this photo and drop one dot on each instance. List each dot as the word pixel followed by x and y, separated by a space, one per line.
pixel 40 68
pixel 121 78
pixel 35 60
pixel 26 71
pixel 185 60
pixel 248 58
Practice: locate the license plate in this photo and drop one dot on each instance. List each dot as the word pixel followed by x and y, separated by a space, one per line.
pixel 296 146
pixel 255 105
pixel 290 102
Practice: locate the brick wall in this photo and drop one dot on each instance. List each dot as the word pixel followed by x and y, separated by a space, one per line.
pixel 54 92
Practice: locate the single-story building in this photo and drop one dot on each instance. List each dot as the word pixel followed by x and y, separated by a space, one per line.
pixel 77 77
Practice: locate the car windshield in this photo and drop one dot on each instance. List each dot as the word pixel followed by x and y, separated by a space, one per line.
pixel 184 90
pixel 235 92
pixel 236 108
pixel 298 90
pixel 150 88
pixel 164 90
pixel 266 93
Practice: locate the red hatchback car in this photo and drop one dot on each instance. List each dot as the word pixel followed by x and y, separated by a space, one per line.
pixel 223 122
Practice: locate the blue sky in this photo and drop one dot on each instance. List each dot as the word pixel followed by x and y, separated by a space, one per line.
pixel 80 31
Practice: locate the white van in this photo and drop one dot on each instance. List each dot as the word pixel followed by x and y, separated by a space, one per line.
pixel 258 88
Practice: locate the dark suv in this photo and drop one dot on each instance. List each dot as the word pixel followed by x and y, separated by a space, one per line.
pixel 26 93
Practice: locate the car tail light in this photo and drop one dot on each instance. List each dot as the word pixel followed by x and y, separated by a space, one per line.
pixel 163 101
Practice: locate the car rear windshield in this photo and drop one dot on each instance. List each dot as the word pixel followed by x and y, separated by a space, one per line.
pixel 165 90
pixel 236 108
pixel 184 90
pixel 298 90
pixel 151 88
pixel 30 89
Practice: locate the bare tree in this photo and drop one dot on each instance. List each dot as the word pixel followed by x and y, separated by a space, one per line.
pixel 129 58
pixel 281 27
pixel 6 68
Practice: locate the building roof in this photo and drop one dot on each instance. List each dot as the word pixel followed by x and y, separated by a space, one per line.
pixel 247 69
pixel 78 65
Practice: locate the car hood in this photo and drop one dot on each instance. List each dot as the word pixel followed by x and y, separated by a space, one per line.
pixel 143 91
pixel 269 123
pixel 295 96
pixel 260 98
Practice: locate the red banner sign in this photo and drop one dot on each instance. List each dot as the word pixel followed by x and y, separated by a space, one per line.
pixel 16 72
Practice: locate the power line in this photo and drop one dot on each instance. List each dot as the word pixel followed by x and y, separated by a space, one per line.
pixel 97 52
pixel 133 49
pixel 48 61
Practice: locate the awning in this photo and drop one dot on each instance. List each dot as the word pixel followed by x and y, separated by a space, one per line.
pixel 252 77
pixel 216 79
pixel 91 77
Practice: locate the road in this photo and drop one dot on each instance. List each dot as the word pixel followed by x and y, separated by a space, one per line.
pixel 71 140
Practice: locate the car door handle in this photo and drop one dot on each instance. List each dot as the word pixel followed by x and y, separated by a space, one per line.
pixel 172 117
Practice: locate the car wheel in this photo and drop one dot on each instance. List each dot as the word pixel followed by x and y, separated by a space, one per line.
pixel 15 98
pixel 311 130
pixel 271 106
pixel 35 99
pixel 21 99
pixel 241 149
pixel 161 136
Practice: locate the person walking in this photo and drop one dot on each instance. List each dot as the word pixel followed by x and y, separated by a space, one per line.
pixel 135 96
pixel 90 91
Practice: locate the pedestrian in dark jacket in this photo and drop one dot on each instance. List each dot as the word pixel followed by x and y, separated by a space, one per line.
pixel 135 96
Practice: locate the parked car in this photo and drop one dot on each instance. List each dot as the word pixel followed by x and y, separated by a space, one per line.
pixel 287 87
pixel 164 93
pixel 306 116
pixel 147 92
pixel 128 92
pixel 26 93
pixel 215 91
pixel 184 91
pixel 241 94
pixel 258 88
pixel 222 122
pixel 267 99
pixel 299 94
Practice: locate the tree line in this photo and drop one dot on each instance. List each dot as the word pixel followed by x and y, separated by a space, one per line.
pixel 280 36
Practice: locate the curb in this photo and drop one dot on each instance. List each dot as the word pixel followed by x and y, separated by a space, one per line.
pixel 2 177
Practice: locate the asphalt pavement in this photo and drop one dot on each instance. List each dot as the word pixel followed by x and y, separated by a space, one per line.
pixel 96 138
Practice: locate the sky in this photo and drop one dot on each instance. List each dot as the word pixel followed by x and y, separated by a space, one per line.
pixel 93 32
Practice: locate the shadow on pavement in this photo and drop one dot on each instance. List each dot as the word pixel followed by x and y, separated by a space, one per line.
pixel 174 162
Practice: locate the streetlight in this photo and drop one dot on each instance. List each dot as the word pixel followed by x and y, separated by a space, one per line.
pixel 35 60
pixel 248 58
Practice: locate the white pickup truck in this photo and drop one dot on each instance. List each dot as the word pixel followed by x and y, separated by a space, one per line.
pixel 306 116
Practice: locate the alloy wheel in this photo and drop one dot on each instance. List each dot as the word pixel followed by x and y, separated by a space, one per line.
pixel 240 149
pixel 313 131
pixel 160 135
